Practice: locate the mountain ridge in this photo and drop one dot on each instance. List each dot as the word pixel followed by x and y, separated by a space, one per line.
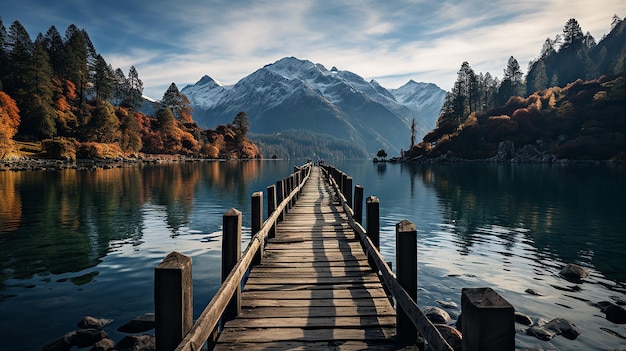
pixel 298 94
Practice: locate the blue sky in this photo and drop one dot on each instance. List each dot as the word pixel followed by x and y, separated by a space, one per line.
pixel 390 41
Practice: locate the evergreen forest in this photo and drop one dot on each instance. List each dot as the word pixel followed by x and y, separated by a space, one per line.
pixel 570 105
pixel 59 92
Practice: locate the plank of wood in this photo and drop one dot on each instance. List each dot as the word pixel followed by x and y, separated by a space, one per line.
pixel 373 345
pixel 301 308
pixel 291 287
pixel 314 322
pixel 315 294
pixel 323 334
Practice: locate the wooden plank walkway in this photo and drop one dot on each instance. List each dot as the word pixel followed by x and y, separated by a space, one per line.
pixel 314 289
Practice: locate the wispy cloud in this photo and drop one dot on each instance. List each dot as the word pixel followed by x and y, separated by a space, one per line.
pixel 391 41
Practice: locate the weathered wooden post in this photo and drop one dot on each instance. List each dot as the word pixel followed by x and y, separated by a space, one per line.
pixel 173 301
pixel 372 212
pixel 231 252
pixel 271 207
pixel 292 186
pixel 342 183
pixel 286 194
pixel 373 224
pixel 256 222
pixel 488 322
pixel 358 204
pixel 279 197
pixel 348 191
pixel 406 269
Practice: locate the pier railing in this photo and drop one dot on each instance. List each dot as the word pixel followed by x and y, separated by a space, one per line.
pixel 488 321
pixel 175 329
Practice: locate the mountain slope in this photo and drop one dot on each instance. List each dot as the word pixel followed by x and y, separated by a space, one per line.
pixel 424 99
pixel 293 94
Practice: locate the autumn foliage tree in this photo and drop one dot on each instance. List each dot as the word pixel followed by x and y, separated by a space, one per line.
pixel 9 121
pixel 59 90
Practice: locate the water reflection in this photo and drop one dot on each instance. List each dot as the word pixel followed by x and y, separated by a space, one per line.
pixel 573 213
pixel 58 222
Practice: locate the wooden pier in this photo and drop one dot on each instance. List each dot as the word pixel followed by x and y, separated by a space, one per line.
pixel 314 289
pixel 312 278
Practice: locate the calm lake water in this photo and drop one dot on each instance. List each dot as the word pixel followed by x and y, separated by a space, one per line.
pixel 86 243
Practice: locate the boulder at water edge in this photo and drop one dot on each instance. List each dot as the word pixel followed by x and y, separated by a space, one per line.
pixel 613 312
pixel 557 326
pixel 87 337
pixel 562 326
pixel 137 343
pixel 452 336
pixel 436 315
pixel 522 318
pixel 140 324
pixel 574 273
pixel 89 322
pixel 105 344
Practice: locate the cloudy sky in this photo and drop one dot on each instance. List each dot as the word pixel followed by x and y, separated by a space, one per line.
pixel 390 41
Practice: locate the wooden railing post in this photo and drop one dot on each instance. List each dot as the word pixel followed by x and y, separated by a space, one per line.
pixel 406 269
pixel 348 190
pixel 342 183
pixel 358 204
pixel 271 207
pixel 231 252
pixel 173 301
pixel 256 222
pixel 372 212
pixel 279 197
pixel 488 322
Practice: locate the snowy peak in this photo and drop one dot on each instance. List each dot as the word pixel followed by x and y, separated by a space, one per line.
pixel 302 95
pixel 208 82
pixel 206 93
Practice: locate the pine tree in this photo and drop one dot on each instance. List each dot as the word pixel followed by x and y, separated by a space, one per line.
pixel 615 21
pixel 242 124
pixel 120 87
pixel 134 92
pixel 75 55
pixel 4 58
pixel 589 41
pixel 178 103
pixel 56 50
pixel 103 79
pixel 572 33
pixel 512 83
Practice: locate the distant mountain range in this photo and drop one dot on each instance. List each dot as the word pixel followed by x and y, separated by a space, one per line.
pixel 293 95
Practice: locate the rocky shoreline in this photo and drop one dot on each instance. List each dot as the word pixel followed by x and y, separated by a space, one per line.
pixel 20 164
pixel 507 153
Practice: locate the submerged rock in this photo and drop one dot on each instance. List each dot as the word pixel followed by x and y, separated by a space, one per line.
pixel 533 292
pixel 557 326
pixel 140 324
pixel 574 273
pixel 137 343
pixel 105 344
pixel 89 322
pixel 562 326
pixel 436 315
pixel 613 312
pixel 522 318
pixel 87 337
pixel 540 333
pixel 60 344
pixel 447 304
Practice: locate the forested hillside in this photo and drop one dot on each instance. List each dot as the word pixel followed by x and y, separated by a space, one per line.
pixel 571 105
pixel 59 90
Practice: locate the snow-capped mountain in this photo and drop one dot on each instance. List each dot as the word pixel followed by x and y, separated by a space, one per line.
pixel 299 94
pixel 425 99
